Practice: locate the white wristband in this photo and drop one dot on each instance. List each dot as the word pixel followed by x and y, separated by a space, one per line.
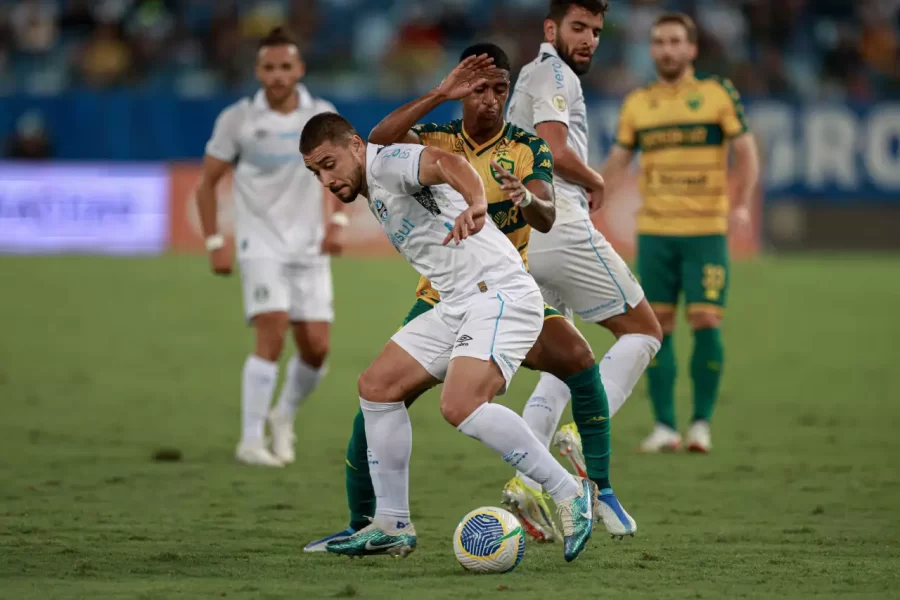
pixel 340 219
pixel 528 198
pixel 215 242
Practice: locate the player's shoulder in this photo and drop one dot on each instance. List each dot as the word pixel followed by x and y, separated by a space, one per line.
pixel 636 96
pixel 450 128
pixel 236 110
pixel 321 105
pixel 519 138
pixel 717 83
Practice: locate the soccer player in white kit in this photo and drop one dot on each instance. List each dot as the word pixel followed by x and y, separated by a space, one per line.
pixel 282 243
pixel 579 271
pixel 432 206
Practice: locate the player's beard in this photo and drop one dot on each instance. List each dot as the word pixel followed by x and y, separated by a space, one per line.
pixel 568 57
pixel 671 72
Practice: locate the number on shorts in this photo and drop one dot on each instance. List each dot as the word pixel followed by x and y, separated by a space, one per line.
pixel 713 281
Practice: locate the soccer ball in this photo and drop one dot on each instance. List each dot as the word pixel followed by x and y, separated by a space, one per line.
pixel 489 540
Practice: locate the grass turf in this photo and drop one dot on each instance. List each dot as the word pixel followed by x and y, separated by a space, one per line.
pixel 103 361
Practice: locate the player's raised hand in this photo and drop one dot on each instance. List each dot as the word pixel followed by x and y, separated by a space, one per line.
pixel 515 189
pixel 221 261
pixel 469 222
pixel 466 76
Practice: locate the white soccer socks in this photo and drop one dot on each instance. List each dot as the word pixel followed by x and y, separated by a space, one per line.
pixel 507 434
pixel 389 434
pixel 623 366
pixel 300 382
pixel 543 411
pixel 257 387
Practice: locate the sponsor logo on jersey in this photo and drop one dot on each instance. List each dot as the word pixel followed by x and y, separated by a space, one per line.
pixel 425 197
pixel 558 75
pixel 400 236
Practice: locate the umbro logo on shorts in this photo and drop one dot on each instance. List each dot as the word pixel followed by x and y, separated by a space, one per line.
pixel 463 340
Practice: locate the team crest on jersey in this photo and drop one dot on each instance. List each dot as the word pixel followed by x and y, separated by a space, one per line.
pixel 426 198
pixel 381 210
pixel 559 102
pixel 260 134
pixel 695 101
pixel 506 163
pixel 261 293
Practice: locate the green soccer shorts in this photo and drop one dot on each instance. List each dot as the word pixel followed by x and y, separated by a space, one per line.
pixel 696 265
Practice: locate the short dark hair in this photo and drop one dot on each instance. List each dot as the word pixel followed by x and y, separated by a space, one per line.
pixel 559 8
pixel 279 36
pixel 325 127
pixel 501 60
pixel 679 19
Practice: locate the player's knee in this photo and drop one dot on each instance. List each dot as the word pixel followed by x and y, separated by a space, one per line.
pixel 376 387
pixel 270 335
pixel 455 409
pixel 580 357
pixel 666 322
pixel 315 351
pixel 704 320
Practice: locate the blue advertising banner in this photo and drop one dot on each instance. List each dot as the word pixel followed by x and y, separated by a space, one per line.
pixel 819 153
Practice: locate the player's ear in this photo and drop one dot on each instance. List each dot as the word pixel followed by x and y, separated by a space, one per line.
pixel 302 69
pixel 550 31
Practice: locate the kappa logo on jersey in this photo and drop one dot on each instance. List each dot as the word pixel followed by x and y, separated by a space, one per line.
pixel 425 197
pixel 463 340
pixel 546 164
pixel 382 210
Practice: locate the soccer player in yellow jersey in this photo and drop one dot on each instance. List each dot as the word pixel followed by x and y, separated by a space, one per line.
pixel 517 170
pixel 683 126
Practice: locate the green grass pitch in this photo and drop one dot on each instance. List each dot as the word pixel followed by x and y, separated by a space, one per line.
pixel 103 361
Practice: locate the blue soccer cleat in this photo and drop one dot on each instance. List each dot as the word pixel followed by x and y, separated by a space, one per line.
pixel 608 509
pixel 321 545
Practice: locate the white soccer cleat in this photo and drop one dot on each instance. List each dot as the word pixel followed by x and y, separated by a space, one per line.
pixel 257 455
pixel 699 438
pixel 568 441
pixel 662 439
pixel 283 438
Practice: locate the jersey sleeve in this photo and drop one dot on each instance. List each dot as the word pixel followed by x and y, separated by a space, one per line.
pixel 732 120
pixel 224 143
pixel 625 131
pixel 551 95
pixel 396 168
pixel 441 136
pixel 536 161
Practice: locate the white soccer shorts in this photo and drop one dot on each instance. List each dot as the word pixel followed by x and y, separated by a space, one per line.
pixel 579 272
pixel 494 327
pixel 303 291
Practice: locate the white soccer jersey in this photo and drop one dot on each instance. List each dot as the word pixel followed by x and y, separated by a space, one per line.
pixel 549 90
pixel 417 219
pixel 278 202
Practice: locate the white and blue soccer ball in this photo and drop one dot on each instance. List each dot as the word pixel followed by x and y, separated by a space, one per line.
pixel 489 540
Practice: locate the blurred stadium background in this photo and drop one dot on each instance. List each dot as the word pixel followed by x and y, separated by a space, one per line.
pixel 105 107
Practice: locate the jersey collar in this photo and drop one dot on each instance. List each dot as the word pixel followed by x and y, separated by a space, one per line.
pixel 689 79
pixel 479 149
pixel 548 48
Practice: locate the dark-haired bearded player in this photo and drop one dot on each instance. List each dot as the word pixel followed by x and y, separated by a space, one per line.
pixel 516 168
pixel 577 269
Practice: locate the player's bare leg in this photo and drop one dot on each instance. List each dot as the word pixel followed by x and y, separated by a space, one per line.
pixel 706 372
pixel 470 386
pixel 391 378
pixel 304 372
pixel 260 376
pixel 661 381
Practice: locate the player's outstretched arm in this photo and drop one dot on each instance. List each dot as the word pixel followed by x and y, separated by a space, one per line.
pixel 567 164
pixel 534 198
pixel 396 127
pixel 437 167
pixel 219 255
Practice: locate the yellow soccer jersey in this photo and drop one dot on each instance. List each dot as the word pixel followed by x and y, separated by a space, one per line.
pixel 519 152
pixel 682 132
